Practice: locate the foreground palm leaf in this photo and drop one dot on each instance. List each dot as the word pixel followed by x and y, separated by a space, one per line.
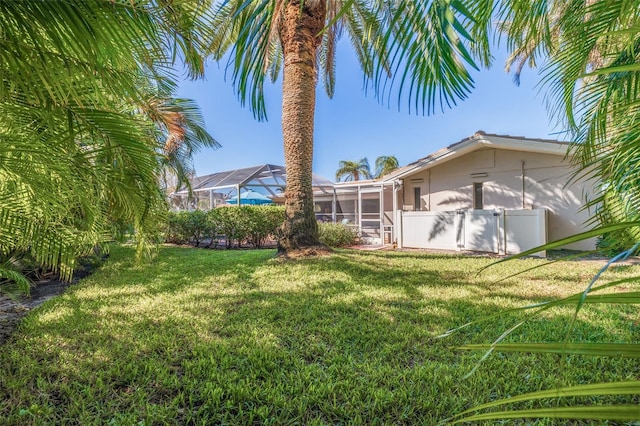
pixel 79 151
pixel 421 50
pixel 592 72
pixel 580 412
pixel 628 350
pixel 617 412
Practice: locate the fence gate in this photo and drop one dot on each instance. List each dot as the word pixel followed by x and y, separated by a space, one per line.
pixel 493 231
pixel 431 230
pixel 481 231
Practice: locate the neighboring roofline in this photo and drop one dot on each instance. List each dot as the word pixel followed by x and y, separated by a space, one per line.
pixel 480 140
pixel 361 183
pixel 356 182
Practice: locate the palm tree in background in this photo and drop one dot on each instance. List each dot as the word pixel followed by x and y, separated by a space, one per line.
pixel 353 170
pixel 420 49
pixel 181 129
pixel 80 145
pixel 356 170
pixel 385 164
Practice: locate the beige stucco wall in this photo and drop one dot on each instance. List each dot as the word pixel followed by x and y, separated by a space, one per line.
pixel 449 186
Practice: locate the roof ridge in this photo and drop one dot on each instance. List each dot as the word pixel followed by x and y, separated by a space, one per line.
pixel 483 133
pixel 476 137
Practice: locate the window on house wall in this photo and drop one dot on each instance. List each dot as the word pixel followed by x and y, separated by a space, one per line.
pixel 477 196
pixel 417 203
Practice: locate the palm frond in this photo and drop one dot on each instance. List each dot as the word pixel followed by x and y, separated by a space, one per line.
pixel 429 54
pixel 603 412
pixel 385 164
pixel 588 297
pixel 420 51
pixel 247 29
pixel 76 153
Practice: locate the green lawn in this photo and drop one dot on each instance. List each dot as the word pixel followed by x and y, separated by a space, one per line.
pixel 238 337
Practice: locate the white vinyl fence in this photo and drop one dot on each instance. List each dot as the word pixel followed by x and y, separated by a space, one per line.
pixel 493 231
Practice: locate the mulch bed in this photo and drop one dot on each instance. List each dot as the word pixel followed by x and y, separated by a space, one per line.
pixel 12 309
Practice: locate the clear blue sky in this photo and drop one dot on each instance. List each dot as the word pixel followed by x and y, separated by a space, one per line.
pixel 351 125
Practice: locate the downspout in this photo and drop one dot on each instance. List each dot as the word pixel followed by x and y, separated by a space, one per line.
pixel 381 213
pixel 394 214
pixel 429 190
pixel 398 226
pixel 238 189
pixel 359 215
pixel 334 206
pixel 523 189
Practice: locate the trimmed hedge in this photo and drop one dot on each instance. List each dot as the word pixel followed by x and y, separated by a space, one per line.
pixel 252 225
pixel 336 234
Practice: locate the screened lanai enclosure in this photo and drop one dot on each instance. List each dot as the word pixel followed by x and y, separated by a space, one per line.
pixel 256 185
pixel 368 207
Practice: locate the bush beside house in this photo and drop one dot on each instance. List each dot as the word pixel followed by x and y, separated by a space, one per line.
pixel 336 234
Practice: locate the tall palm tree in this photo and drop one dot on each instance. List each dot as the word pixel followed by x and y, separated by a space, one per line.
pixel 77 150
pixel 353 170
pixel 385 164
pixel 418 48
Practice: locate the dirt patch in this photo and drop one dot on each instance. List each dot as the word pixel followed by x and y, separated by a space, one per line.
pixel 306 252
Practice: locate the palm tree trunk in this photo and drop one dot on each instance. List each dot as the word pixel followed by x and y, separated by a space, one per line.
pixel 299 37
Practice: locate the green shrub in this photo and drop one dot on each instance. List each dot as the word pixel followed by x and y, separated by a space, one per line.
pixel 255 224
pixel 174 232
pixel 227 224
pixel 196 226
pixel 212 230
pixel 252 225
pixel 336 234
pixel 263 222
pixel 186 227
pixel 614 243
pixel 274 217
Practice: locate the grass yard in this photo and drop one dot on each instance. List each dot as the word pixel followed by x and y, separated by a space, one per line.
pixel 238 337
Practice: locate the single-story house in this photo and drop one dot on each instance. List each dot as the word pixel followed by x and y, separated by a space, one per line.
pixel 488 192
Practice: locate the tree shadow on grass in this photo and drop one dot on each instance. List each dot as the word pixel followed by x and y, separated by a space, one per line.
pixel 241 339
